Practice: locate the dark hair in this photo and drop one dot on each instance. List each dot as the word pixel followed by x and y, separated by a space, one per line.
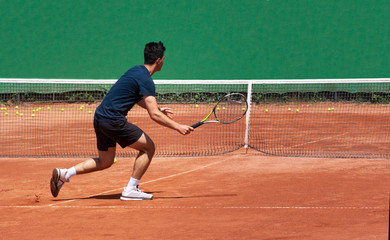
pixel 152 51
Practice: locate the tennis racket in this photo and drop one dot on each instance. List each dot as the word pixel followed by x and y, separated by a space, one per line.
pixel 229 109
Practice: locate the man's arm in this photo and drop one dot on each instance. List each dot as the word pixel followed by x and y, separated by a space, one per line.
pixel 150 104
pixel 166 111
pixel 142 103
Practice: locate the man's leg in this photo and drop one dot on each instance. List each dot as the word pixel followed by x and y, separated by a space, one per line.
pixel 146 149
pixel 105 160
pixel 60 176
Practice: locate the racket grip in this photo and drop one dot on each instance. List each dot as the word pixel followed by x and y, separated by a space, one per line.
pixel 197 124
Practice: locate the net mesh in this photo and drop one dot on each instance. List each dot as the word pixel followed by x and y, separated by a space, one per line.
pixel 317 118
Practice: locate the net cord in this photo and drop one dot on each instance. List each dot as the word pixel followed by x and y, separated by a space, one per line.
pixel 203 81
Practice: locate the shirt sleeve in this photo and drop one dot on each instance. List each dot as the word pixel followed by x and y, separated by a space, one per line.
pixel 147 87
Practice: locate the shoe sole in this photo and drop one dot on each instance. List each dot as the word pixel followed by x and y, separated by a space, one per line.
pixel 53 182
pixel 134 199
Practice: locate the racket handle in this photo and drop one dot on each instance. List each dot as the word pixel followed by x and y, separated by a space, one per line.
pixel 197 124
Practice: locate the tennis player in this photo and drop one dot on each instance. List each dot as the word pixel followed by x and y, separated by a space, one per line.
pixel 111 126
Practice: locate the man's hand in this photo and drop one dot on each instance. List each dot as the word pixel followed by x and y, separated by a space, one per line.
pixel 167 112
pixel 184 129
pixel 163 116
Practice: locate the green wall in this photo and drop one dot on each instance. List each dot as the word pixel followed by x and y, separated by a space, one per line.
pixel 205 39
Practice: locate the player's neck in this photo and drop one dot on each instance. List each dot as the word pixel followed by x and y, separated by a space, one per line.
pixel 151 68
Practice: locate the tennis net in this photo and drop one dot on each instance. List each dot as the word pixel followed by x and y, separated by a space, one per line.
pixel 316 118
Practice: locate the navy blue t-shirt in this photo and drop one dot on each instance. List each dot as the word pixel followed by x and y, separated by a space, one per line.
pixel 126 92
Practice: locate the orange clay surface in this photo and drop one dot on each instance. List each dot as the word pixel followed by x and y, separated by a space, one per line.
pixel 233 196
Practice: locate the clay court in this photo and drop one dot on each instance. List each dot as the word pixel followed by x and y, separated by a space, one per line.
pixel 234 196
pixel 237 195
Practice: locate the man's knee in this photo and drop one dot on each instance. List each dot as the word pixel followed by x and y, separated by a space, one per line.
pixel 150 147
pixel 145 144
pixel 103 163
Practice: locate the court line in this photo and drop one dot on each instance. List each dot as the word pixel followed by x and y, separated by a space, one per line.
pixel 209 207
pixel 150 181
pixel 315 141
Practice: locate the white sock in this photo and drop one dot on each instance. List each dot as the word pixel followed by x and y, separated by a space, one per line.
pixel 70 173
pixel 132 183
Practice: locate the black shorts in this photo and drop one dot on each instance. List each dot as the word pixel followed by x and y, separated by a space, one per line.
pixel 119 131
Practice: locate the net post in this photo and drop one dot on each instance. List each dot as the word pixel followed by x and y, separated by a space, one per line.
pixel 248 114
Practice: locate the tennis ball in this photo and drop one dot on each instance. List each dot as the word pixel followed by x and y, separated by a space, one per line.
pixel 243 109
pixel 114 160
pixel 196 105
pixel 6 114
pixel 62 109
pixel 17 113
pixel 48 108
pixel 223 108
pixel 289 109
pixel 297 110
pixel 218 108
pixel 329 109
pixel 21 114
pixel 33 115
pixel 81 108
pixel 89 111
pixel 266 110
pixel 332 108
pixel 33 110
pixel 17 107
pixel 39 108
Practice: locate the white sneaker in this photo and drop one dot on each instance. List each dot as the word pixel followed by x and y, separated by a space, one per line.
pixel 135 194
pixel 57 181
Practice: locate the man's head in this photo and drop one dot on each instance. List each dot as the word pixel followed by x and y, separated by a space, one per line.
pixel 153 51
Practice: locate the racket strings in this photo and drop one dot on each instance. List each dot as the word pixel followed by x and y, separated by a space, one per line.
pixel 231 108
